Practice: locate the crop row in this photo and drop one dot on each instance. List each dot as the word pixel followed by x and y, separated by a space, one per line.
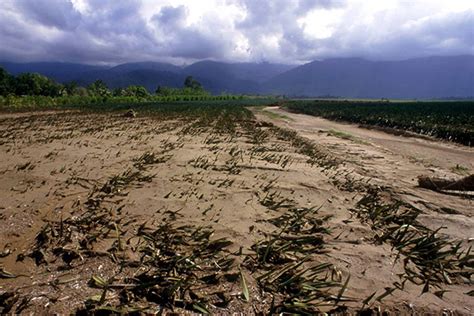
pixel 21 103
pixel 452 121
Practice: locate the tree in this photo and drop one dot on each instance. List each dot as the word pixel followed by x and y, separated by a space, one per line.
pixel 136 91
pixel 118 92
pixel 36 84
pixel 98 88
pixel 6 82
pixel 192 83
pixel 166 91
pixel 159 90
pixel 81 91
pixel 70 87
pixel 191 87
pixel 132 91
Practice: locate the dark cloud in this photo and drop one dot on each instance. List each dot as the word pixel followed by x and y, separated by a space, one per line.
pixel 186 41
pixel 115 31
pixel 449 34
pixel 55 13
pixel 171 16
pixel 115 17
pixel 18 42
pixel 265 13
pixel 111 32
pixel 279 18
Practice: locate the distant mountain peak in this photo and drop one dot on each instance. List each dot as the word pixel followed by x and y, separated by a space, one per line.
pixel 424 77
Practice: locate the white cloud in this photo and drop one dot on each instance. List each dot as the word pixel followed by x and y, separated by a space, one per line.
pixel 320 23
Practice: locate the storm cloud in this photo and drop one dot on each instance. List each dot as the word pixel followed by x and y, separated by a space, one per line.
pixel 287 31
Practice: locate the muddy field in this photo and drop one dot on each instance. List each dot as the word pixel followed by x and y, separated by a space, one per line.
pixel 224 211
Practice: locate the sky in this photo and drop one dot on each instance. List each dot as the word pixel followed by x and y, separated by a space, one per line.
pixel 279 31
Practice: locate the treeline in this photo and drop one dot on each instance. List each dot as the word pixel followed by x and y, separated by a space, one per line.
pixel 28 84
pixel 33 84
pixel 32 90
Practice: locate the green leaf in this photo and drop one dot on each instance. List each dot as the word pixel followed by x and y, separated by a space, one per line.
pixel 200 308
pixel 367 300
pixel 245 289
pixel 98 282
pixel 388 291
pixel 343 289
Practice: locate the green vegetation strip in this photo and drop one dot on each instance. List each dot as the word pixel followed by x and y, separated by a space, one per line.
pixel 32 91
pixel 450 120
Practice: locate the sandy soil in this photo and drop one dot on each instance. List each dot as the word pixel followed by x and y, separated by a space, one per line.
pixel 397 161
pixel 57 168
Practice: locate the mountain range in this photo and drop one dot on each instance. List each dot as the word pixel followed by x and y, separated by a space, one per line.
pixel 422 78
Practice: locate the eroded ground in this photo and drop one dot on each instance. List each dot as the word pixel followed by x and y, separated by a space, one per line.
pixel 218 211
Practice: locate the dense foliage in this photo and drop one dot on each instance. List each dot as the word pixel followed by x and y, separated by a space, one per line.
pixel 32 84
pixel 191 87
pixel 28 103
pixel 167 91
pixel 28 84
pixel 447 120
pixel 33 91
pixel 5 82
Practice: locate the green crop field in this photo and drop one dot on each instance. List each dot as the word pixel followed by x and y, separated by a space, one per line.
pixel 450 120
pixel 32 103
pixel 95 103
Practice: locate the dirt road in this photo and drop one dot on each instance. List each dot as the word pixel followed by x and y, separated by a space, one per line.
pixel 431 153
pixel 396 162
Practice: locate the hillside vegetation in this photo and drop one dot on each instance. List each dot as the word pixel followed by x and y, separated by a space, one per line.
pixel 422 78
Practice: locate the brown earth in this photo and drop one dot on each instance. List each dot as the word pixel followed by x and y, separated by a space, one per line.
pixel 55 165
